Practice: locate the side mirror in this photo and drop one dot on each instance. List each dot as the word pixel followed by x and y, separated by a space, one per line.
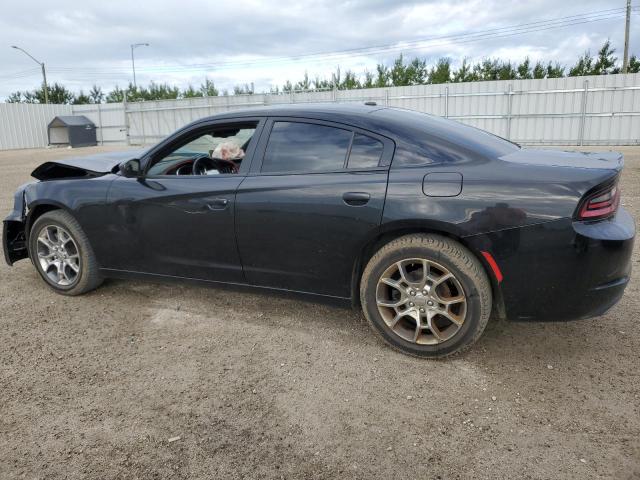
pixel 131 168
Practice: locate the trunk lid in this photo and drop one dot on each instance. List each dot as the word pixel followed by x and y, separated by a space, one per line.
pixel 558 158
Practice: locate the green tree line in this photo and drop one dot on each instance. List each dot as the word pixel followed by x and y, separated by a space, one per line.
pixel 401 72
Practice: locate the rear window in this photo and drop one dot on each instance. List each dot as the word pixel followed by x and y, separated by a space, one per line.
pixel 305 147
pixel 365 152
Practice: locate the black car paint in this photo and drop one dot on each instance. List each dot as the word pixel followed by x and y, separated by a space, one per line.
pixel 296 232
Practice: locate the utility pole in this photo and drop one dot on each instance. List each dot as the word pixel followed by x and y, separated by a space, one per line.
pixel 44 73
pixel 625 62
pixel 133 61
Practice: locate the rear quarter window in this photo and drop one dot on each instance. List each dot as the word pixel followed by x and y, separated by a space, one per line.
pixel 365 152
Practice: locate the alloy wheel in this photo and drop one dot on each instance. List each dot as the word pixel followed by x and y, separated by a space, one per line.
pixel 421 301
pixel 58 255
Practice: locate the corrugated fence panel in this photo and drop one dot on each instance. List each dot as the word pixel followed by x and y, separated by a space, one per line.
pixel 596 110
pixel 25 125
pixel 109 120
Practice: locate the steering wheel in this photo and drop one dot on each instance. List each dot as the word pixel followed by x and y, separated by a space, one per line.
pixel 200 164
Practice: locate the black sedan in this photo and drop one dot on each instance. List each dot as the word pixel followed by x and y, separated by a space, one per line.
pixel 429 225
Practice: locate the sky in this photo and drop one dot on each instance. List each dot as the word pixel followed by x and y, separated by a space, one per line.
pixel 266 42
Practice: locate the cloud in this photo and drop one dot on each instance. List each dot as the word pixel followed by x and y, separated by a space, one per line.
pixel 246 40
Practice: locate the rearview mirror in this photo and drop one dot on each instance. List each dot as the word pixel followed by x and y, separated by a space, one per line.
pixel 130 168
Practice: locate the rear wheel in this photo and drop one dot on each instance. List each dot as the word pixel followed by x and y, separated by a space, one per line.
pixel 426 295
pixel 62 255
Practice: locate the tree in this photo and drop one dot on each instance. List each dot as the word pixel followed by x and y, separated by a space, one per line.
pixel 287 87
pixel 539 71
pixel 555 70
pixel 160 91
pixel 116 95
pixel 441 73
pixel 350 81
pixel 634 64
pixel 321 84
pixel 464 73
pixel 336 78
pixel 487 69
pixel 81 99
pixel 369 80
pixel 583 67
pixel 524 70
pixel 605 62
pixel 96 95
pixel 15 97
pixel 417 73
pixel 304 84
pixel 190 92
pixel 383 76
pixel 208 89
pixel 245 89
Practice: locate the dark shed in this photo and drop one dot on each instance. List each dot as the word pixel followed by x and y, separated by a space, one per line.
pixel 75 131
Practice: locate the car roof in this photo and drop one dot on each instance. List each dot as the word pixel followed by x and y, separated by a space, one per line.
pixel 329 111
pixel 400 124
pixel 361 115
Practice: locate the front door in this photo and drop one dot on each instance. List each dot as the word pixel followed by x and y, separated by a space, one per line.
pixel 309 205
pixel 178 219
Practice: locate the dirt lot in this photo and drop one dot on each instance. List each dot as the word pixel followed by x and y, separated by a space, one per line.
pixel 258 386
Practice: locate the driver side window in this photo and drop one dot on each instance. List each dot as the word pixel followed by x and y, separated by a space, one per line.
pixel 219 150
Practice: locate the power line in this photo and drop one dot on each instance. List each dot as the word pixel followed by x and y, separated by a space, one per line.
pixel 433 41
pixel 501 32
pixel 403 47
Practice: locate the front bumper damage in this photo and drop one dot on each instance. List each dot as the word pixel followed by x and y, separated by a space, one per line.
pixel 14 237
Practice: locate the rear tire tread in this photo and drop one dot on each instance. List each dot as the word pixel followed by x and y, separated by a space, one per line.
pixel 455 253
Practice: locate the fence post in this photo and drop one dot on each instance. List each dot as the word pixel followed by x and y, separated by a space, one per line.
pixel 583 113
pixel 446 102
pixel 334 94
pixel 509 112
pixel 144 135
pixel 100 125
pixel 386 97
pixel 126 118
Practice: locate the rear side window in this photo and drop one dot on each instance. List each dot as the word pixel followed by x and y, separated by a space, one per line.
pixel 303 147
pixel 365 152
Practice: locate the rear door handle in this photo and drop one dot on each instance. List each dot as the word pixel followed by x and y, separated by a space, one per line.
pixel 217 204
pixel 356 199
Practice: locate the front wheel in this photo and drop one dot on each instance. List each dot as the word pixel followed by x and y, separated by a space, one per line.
pixel 426 295
pixel 62 255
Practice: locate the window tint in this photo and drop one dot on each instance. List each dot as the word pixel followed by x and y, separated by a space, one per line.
pixel 365 152
pixel 303 147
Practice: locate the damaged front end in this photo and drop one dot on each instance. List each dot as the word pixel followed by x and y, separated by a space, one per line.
pixel 14 236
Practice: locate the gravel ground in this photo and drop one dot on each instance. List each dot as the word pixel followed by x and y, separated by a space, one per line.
pixel 138 380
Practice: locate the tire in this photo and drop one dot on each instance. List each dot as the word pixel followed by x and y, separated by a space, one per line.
pixel 391 296
pixel 62 233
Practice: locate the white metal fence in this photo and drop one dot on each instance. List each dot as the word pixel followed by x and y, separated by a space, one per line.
pixel 595 110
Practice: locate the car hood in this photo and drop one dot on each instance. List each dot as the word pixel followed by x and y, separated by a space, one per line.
pixel 558 158
pixel 82 167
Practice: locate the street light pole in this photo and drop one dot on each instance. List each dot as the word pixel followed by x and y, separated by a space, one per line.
pixel 133 61
pixel 44 73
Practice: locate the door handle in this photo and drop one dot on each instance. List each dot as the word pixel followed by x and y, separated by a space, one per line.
pixel 217 204
pixel 356 199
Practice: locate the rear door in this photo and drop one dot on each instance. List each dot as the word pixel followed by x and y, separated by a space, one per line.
pixel 315 191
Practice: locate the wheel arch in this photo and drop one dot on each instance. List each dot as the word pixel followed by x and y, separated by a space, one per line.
pixel 390 232
pixel 39 208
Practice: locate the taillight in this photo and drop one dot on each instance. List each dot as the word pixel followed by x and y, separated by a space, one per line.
pixel 600 204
